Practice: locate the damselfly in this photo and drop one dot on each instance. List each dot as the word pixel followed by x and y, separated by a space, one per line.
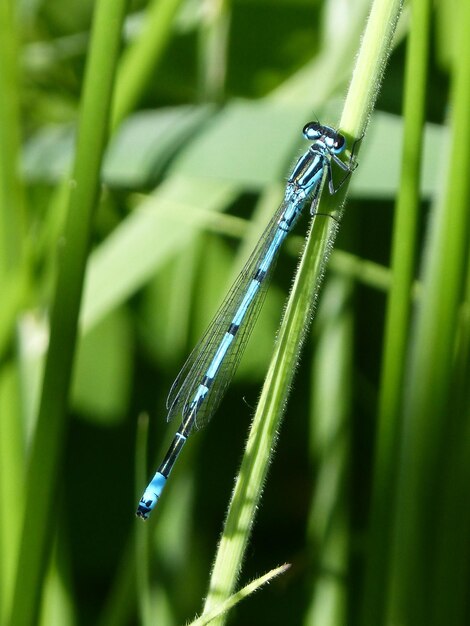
pixel 201 384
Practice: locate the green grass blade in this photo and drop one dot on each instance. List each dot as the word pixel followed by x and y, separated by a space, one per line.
pixel 427 408
pixel 213 49
pixel 370 65
pixel 263 433
pixel 13 287
pixel 453 514
pixel 11 479
pixel 358 106
pixel 330 442
pixel 233 600
pixel 48 442
pixel 323 77
pixel 140 60
pixel 142 543
pixel 399 309
pixel 12 218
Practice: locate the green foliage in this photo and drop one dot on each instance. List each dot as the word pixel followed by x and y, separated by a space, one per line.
pixel 151 189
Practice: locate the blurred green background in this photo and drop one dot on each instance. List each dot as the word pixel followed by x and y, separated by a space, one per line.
pixel 209 103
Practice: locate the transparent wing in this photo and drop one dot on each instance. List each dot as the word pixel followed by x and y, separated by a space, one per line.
pixel 193 371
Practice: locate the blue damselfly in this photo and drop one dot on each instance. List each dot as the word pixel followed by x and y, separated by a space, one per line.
pixel 201 384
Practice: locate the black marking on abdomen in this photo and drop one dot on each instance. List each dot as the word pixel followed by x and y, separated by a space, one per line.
pixel 260 275
pixel 207 381
pixel 233 329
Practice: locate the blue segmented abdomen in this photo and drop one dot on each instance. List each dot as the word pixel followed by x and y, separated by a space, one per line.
pixel 264 265
pixel 219 355
pixel 253 288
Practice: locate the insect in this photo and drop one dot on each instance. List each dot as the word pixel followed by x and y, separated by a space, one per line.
pixel 204 378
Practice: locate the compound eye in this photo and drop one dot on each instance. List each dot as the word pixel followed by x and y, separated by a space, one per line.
pixel 339 144
pixel 312 131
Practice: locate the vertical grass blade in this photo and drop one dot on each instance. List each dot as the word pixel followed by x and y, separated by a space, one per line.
pixel 12 201
pixel 398 313
pixel 11 479
pixel 450 573
pixel 140 60
pixel 249 484
pixel 370 65
pixel 330 440
pixel 13 289
pixel 44 466
pixel 142 542
pixel 427 404
pixel 213 49
pixel 12 217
